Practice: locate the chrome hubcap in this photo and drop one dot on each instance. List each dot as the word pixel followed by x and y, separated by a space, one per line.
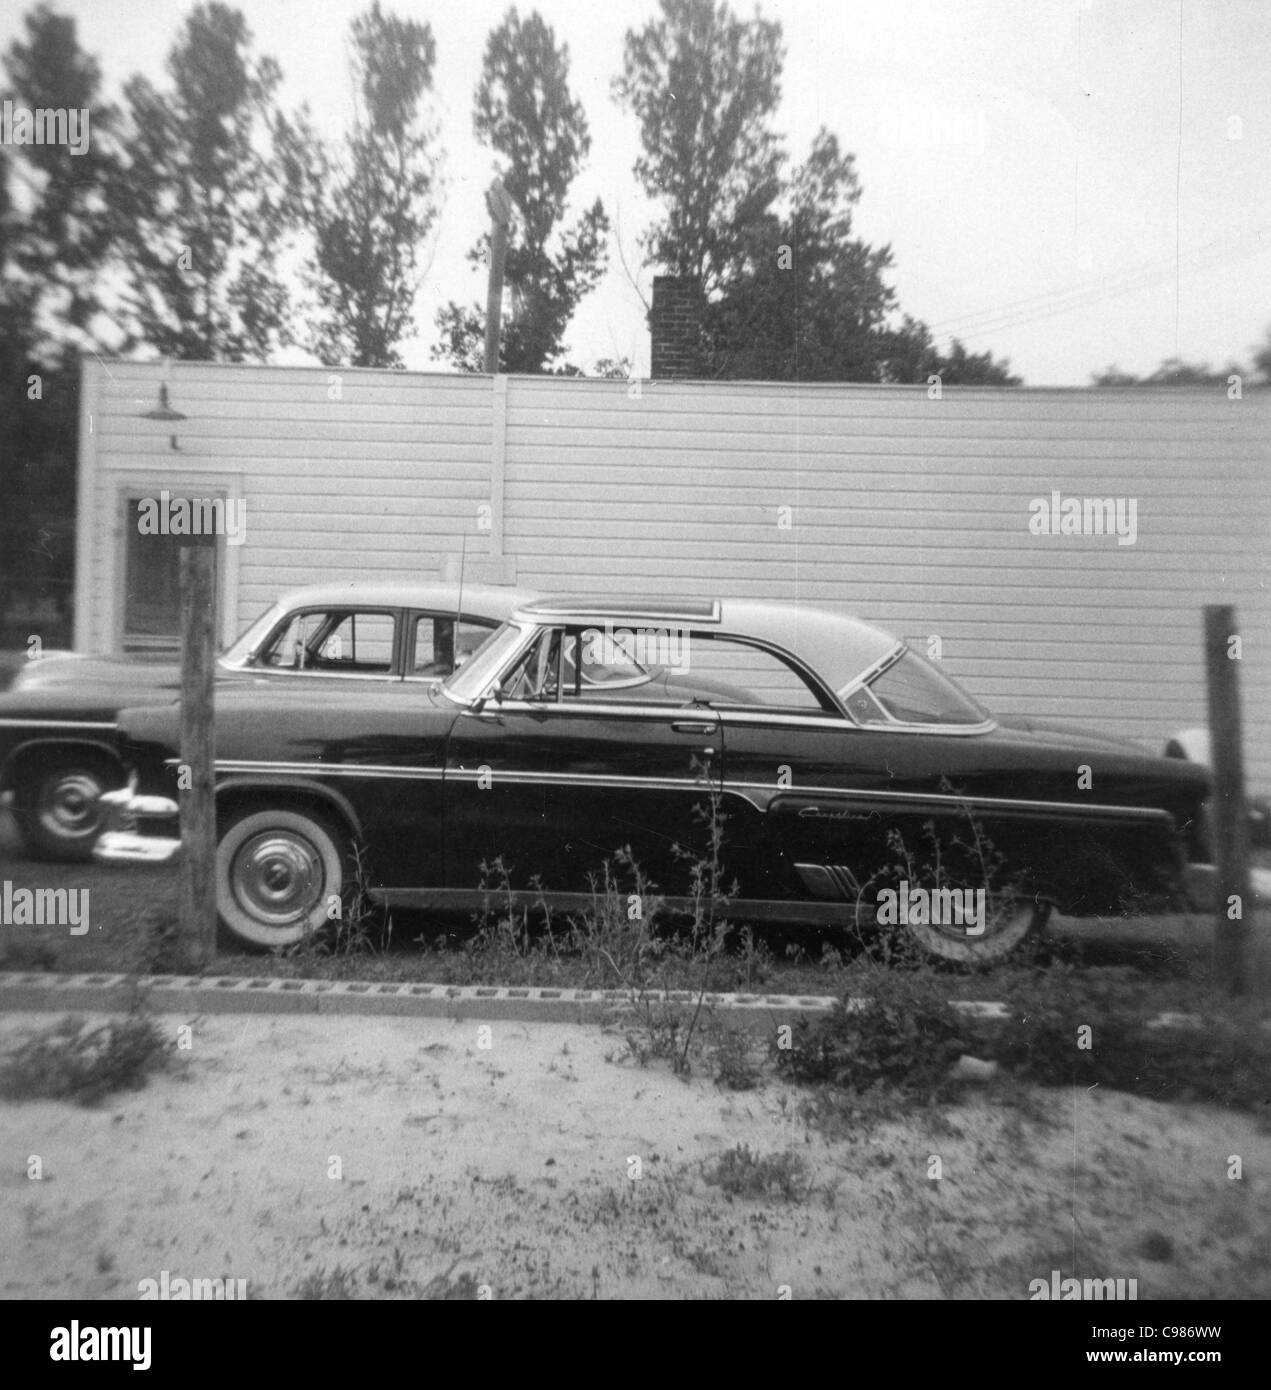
pixel 68 805
pixel 1000 915
pixel 278 877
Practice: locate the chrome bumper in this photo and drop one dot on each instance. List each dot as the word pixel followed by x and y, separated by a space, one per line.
pixel 120 843
pixel 127 847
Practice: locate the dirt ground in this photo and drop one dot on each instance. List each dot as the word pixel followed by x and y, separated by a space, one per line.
pixel 374 1157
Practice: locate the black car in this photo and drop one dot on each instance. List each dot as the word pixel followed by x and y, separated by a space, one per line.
pixel 851 781
pixel 58 738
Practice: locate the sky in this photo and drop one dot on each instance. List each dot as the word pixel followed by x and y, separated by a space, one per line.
pixel 1070 184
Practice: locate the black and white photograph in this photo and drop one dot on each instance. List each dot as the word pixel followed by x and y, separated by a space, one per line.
pixel 634 661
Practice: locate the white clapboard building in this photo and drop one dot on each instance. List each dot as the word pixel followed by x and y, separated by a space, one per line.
pixel 934 517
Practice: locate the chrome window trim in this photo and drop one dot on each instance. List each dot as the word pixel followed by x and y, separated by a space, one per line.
pixel 552 614
pixel 876 669
pixel 840 717
pixel 281 672
pixel 901 726
pixel 791 660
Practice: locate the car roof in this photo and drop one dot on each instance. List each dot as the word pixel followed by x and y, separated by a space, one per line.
pixel 483 600
pixel 825 639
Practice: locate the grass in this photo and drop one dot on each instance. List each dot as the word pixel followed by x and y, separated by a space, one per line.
pixel 1111 976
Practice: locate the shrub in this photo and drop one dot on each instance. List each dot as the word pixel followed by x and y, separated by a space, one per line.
pixel 77 1061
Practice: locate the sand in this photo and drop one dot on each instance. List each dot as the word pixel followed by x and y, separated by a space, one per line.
pixel 405 1158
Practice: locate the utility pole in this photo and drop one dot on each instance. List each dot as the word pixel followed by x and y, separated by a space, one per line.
pixel 500 208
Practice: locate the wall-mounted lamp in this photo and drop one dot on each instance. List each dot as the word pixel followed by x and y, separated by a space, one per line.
pixel 165 412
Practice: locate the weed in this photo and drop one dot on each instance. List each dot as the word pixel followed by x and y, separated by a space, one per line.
pixel 78 1061
pixel 741 1173
pixel 362 928
pixel 338 1283
pixel 733 1056
pixel 904 1035
pixel 28 955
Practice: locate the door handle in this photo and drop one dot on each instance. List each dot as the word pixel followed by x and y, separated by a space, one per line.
pixel 685 727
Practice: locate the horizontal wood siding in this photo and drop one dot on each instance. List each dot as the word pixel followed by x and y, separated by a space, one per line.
pixel 907 511
pixel 380 483
pixel 913 513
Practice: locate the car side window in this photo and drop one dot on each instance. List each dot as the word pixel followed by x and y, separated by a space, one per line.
pixel 720 671
pixel 536 676
pixel 691 669
pixel 439 645
pixel 596 666
pixel 334 642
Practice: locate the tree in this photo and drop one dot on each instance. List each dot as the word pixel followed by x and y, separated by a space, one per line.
pixel 788 291
pixel 1262 360
pixel 55 239
pixel 524 111
pixel 803 299
pixel 704 87
pixel 1173 371
pixel 372 207
pixel 806 299
pixel 200 209
pixel 914 357
pixel 58 229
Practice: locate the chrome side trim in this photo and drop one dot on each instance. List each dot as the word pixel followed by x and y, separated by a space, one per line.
pixel 55 724
pixel 807 913
pixel 379 771
pixel 1008 803
pixel 759 794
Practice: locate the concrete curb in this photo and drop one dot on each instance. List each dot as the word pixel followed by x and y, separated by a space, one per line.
pixel 264 995
pixel 755 1013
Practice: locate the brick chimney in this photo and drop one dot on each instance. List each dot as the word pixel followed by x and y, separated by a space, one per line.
pixel 675 325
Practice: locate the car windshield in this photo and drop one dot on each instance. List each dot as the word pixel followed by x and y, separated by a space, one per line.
pixel 911 690
pixel 473 678
pixel 252 637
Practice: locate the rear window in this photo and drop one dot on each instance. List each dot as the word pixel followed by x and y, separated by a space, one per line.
pixel 913 691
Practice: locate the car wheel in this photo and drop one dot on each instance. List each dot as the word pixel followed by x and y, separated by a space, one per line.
pixel 57 807
pixel 276 873
pixel 1009 922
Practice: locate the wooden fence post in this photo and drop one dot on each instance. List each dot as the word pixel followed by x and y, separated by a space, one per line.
pixel 198 748
pixel 1230 818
